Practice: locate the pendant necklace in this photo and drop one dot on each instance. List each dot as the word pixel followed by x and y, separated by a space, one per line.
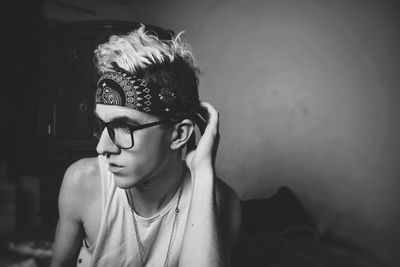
pixel 140 245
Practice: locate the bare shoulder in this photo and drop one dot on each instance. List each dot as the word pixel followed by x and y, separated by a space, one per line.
pixel 82 175
pixel 79 185
pixel 84 170
pixel 229 208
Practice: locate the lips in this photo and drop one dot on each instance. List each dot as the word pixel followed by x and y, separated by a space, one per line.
pixel 114 168
pixel 113 164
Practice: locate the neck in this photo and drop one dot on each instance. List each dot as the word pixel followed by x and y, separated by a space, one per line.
pixel 153 194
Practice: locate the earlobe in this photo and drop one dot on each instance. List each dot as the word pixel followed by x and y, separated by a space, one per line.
pixel 182 132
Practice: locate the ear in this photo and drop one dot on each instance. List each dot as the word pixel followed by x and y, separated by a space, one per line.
pixel 181 134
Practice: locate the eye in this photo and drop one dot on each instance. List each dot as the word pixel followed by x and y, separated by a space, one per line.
pixel 120 126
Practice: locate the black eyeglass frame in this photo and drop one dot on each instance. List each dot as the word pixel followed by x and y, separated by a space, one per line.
pixel 131 128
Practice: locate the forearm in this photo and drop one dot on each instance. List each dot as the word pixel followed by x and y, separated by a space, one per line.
pixel 202 243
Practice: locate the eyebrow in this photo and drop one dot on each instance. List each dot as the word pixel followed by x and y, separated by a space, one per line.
pixel 121 118
pixel 125 119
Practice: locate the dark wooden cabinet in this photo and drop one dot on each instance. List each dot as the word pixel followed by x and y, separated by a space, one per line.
pixel 66 103
pixel 67 81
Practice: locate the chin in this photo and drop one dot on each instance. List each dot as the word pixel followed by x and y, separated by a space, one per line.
pixel 125 182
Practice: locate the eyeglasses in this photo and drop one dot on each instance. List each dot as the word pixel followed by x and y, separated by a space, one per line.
pixel 121 133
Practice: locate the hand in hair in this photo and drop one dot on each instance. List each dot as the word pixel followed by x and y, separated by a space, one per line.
pixel 204 154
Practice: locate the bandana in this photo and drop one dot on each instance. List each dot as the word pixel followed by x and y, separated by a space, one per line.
pixel 121 89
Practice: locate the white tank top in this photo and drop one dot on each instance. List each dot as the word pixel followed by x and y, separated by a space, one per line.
pixel 116 243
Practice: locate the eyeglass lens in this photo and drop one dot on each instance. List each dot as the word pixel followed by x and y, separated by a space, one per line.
pixel 119 133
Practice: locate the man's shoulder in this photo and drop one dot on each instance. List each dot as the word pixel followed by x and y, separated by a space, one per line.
pixel 82 176
pixel 79 188
pixel 83 168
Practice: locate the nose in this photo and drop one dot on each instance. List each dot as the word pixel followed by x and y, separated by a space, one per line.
pixel 106 145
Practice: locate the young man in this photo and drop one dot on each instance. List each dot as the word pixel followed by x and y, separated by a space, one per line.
pixel 138 203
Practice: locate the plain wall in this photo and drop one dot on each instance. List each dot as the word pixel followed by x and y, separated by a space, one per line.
pixel 308 97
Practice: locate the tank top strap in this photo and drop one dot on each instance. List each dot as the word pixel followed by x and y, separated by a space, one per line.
pixel 107 182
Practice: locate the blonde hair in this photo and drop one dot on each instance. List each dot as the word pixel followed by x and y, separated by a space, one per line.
pixel 168 64
pixel 140 49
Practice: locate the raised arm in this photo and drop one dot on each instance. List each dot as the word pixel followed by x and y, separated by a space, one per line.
pixel 69 232
pixel 214 216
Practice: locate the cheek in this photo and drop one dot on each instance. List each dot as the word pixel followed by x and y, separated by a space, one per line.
pixel 150 142
pixel 149 149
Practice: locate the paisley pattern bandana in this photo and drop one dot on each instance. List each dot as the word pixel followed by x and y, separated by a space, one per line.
pixel 122 89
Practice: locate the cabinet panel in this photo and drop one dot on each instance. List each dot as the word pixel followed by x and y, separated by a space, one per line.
pixel 73 93
pixel 68 91
pixel 64 74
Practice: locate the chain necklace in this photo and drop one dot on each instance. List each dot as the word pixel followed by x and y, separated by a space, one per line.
pixel 140 245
